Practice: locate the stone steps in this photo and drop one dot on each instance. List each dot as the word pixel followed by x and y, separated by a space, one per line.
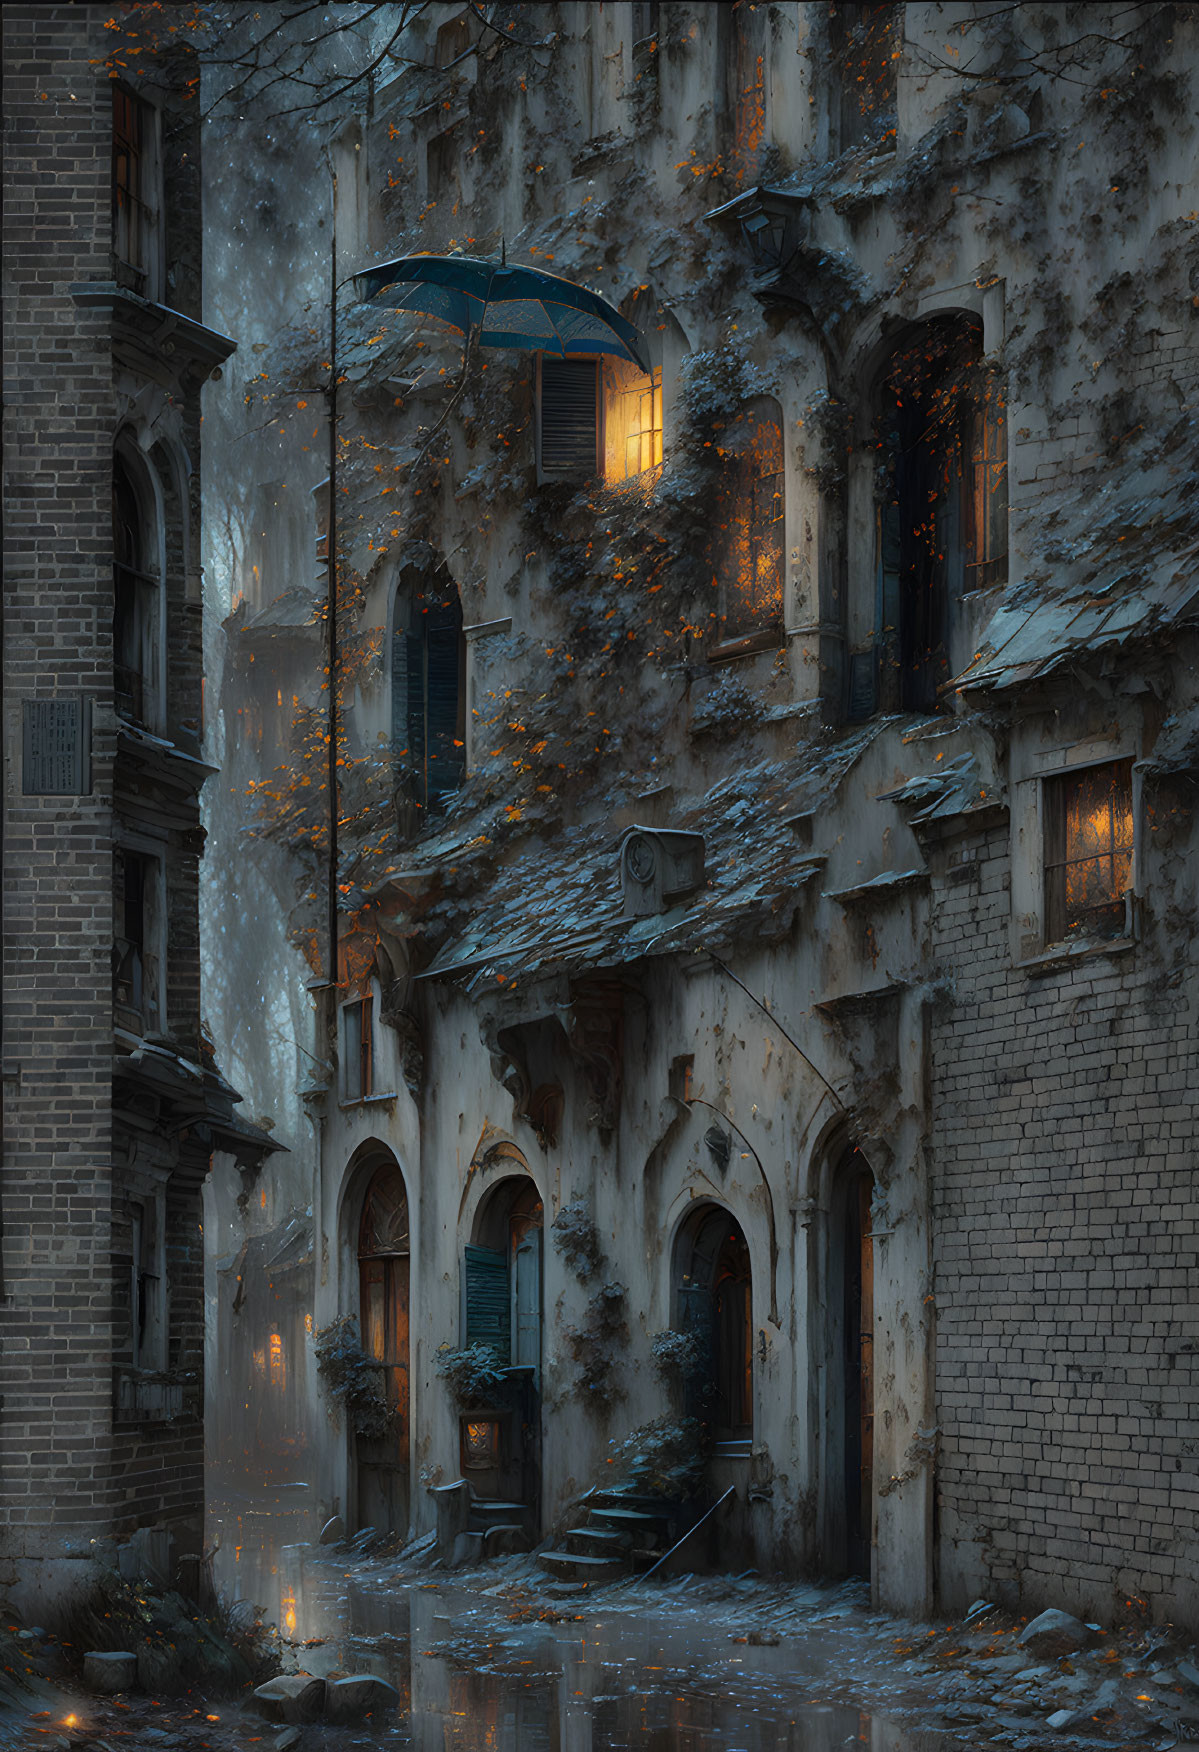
pixel 578 1566
pixel 623 1531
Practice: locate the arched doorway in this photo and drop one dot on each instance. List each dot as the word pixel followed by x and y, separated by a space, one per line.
pixel 713 1302
pixel 841 1322
pixel 500 1445
pixel 383 1260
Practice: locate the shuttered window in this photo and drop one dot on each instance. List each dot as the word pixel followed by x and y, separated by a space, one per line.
pixel 427 696
pixel 488 1301
pixel 569 416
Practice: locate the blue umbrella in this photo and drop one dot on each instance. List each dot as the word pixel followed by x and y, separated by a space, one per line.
pixel 506 307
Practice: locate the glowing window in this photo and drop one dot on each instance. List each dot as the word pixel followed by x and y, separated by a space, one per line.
pixel 277 1367
pixel 1088 852
pixel 642 408
pixel 986 496
pixel 750 544
pixel 481 1443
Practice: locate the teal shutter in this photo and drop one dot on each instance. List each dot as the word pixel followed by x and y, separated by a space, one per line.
pixel 401 751
pixel 415 669
pixel 488 1307
pixel 443 633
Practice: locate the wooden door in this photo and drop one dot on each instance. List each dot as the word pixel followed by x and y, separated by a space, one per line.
pixel 383 1460
pixel 383 1285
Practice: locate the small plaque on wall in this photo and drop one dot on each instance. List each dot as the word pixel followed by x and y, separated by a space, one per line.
pixel 56 747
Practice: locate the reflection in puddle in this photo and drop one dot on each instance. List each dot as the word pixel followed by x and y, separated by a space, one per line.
pixel 598 1684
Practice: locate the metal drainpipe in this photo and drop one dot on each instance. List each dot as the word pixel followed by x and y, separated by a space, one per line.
pixel 331 606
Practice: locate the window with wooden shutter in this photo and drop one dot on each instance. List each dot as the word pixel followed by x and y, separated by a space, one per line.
pixel 569 422
pixel 488 1301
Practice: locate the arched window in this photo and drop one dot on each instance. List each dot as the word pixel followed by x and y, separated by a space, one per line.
pixel 428 688
pixel 748 548
pixel 137 606
pixel 942 503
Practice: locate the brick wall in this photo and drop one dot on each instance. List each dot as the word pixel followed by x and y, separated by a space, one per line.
pixel 1067 1228
pixel 72 1476
pixel 54 1435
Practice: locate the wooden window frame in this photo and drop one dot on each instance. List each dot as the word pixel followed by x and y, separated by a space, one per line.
pixel 1055 790
pixel 358 1055
pixel 136 193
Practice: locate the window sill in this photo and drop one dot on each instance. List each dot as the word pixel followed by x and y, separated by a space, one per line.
pixel 367 1100
pixel 1062 955
pixel 749 645
pixel 732 1448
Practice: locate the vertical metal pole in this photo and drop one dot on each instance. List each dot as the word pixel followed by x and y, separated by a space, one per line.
pixel 331 609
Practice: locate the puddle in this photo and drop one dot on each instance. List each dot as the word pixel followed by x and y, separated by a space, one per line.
pixel 470 1680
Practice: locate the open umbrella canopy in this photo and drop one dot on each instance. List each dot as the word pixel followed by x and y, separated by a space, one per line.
pixel 506 307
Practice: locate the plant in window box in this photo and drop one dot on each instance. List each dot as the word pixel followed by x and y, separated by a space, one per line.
pixel 475 1375
pixel 353 1377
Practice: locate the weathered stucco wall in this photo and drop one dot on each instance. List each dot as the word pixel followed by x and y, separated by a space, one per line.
pixel 843 978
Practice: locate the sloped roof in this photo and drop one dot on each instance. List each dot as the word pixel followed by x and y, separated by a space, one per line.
pixel 544 913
